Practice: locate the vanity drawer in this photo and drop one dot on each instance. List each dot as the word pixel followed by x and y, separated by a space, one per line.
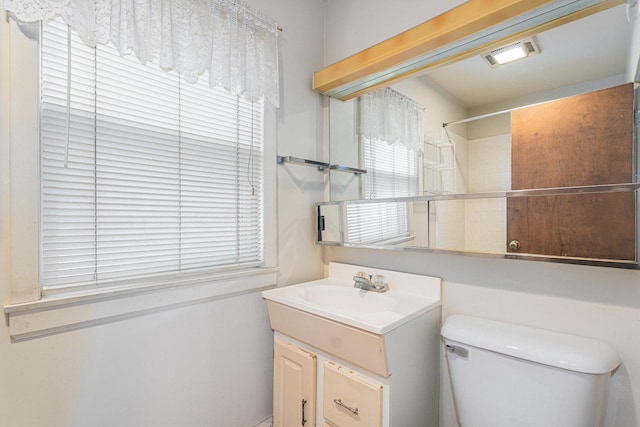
pixel 350 399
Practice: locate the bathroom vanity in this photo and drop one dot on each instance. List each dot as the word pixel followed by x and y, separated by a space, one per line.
pixel 349 357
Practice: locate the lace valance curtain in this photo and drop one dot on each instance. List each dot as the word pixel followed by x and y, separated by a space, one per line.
pixel 390 116
pixel 236 44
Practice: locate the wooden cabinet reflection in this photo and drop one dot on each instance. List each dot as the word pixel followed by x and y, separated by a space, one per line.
pixel 577 141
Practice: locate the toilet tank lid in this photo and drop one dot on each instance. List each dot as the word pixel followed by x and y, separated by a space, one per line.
pixel 565 351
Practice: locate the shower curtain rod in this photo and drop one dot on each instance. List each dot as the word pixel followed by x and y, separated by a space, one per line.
pixel 496 113
pixel 483 116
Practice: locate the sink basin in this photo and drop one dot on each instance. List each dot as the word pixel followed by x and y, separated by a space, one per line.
pixel 348 298
pixel 336 298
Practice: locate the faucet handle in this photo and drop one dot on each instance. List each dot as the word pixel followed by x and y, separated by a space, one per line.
pixel 361 274
pixel 379 284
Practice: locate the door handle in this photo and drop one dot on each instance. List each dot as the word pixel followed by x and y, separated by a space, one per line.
pixel 303 420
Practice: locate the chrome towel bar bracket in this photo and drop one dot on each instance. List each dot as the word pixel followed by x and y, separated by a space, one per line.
pixel 320 165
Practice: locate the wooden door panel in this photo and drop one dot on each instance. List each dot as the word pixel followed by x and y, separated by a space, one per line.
pixel 577 141
pixel 600 226
pixel 581 140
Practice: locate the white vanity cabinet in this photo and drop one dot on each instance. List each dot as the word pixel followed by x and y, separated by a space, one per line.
pixel 404 393
pixel 347 397
pixel 345 357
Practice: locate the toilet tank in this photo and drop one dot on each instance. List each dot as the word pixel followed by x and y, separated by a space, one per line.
pixel 505 375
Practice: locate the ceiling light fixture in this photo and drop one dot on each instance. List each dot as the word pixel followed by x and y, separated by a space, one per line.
pixel 514 51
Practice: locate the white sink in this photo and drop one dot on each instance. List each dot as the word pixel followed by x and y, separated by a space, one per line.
pixel 347 298
pixel 337 299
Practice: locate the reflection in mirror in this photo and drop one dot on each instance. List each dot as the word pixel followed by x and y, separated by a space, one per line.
pixel 435 224
pixel 474 156
pixel 439 224
pixel 478 224
pixel 582 56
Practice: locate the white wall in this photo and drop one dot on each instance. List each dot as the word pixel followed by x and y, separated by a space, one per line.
pixel 190 366
pixel 208 364
pixel 300 133
pixel 345 150
pixel 599 302
pixel 355 25
pixel 489 170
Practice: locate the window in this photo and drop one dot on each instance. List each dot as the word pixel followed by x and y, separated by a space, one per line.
pixel 142 174
pixel 391 126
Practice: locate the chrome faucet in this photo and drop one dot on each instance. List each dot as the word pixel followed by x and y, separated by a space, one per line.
pixel 367 284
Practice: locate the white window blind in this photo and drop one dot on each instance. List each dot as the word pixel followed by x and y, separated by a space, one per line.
pixel 392 170
pixel 376 222
pixel 156 177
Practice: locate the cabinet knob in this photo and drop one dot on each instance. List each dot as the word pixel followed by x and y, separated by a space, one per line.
pixel 514 245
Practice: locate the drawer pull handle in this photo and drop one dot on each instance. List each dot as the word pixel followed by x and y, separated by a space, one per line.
pixel 338 402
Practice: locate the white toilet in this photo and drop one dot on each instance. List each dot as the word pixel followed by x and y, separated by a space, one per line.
pixel 506 375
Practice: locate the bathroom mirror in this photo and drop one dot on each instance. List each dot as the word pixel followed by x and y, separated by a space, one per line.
pixel 465 173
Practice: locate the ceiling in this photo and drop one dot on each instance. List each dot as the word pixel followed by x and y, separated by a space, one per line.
pixel 589 49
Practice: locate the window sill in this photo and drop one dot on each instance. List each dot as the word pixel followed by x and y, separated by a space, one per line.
pixel 64 312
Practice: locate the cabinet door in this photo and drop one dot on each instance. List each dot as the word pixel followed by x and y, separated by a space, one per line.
pixel 294 386
pixel 577 141
pixel 600 226
pixel 350 399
